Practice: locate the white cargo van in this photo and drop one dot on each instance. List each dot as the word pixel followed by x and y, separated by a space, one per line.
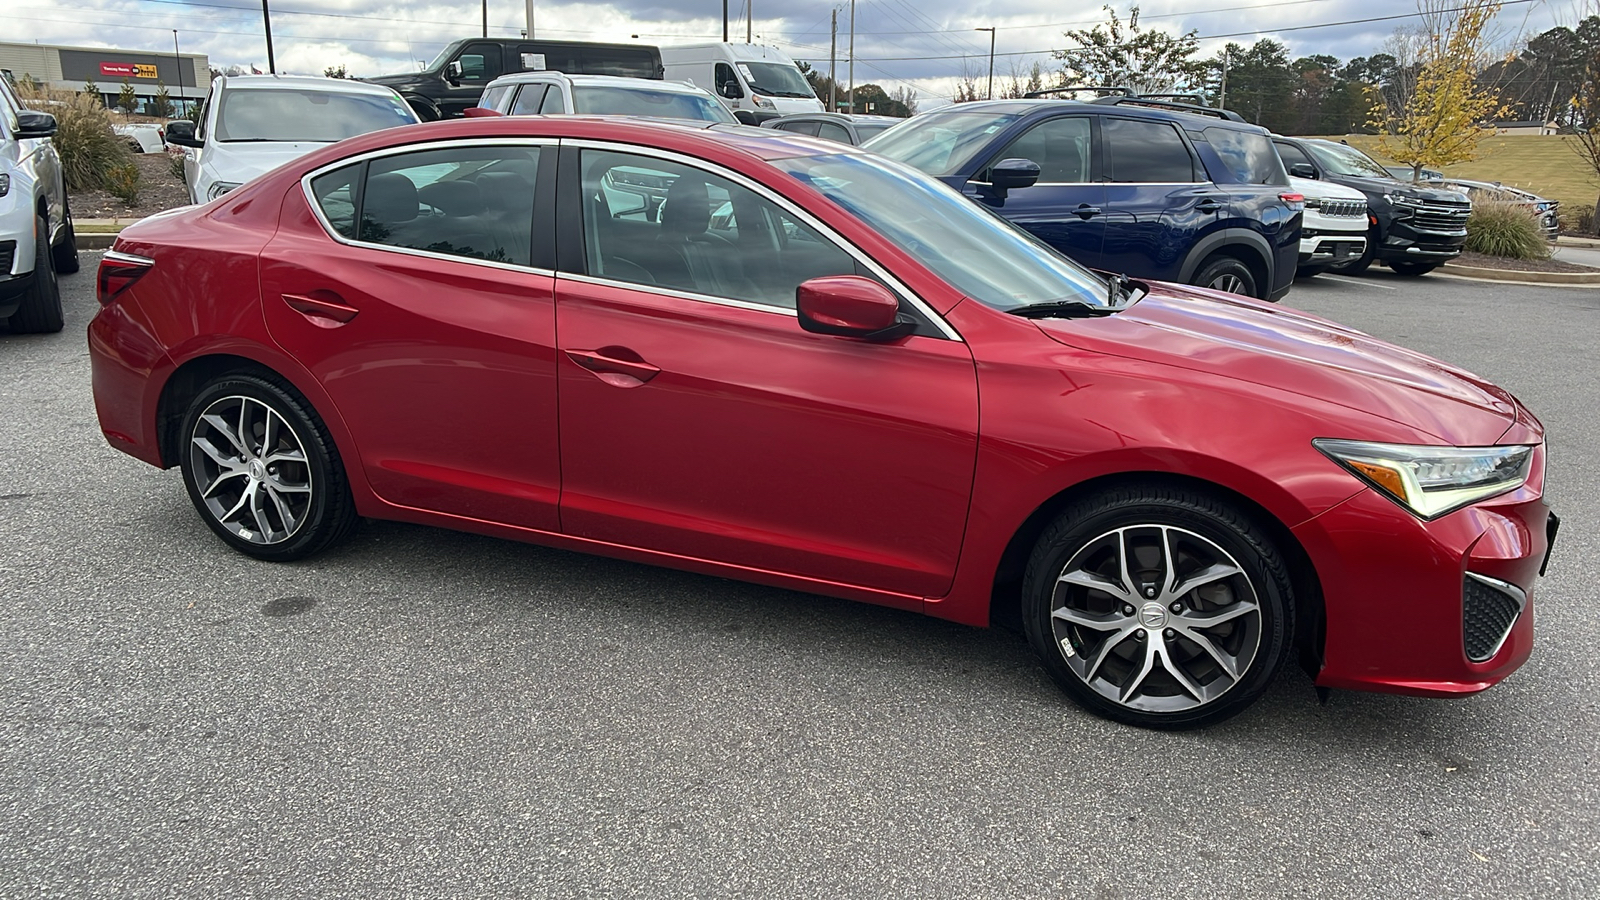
pixel 745 76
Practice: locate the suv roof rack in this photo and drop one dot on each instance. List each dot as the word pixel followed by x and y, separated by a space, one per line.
pixel 1072 88
pixel 1152 103
pixel 1196 99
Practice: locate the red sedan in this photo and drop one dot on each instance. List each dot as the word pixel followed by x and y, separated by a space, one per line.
pixel 774 358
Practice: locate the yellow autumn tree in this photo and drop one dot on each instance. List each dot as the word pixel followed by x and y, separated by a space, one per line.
pixel 1446 112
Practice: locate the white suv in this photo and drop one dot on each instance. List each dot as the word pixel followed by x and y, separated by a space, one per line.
pixel 251 124
pixel 1333 234
pixel 547 93
pixel 36 236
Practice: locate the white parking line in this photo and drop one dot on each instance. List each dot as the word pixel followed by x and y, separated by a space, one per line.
pixel 1362 282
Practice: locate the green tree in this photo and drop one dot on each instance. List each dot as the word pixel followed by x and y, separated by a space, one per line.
pixel 1125 55
pixel 93 90
pixel 161 107
pixel 338 71
pixel 127 100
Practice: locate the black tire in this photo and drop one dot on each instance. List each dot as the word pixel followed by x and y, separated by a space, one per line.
pixel 1225 273
pixel 271 475
pixel 66 252
pixel 40 311
pixel 1252 607
pixel 1309 271
pixel 1364 261
pixel 1412 269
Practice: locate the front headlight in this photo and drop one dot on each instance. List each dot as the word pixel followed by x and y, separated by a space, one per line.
pixel 763 102
pixel 219 188
pixel 5 184
pixel 1431 480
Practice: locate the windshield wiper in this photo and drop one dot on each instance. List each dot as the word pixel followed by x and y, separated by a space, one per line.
pixel 1062 309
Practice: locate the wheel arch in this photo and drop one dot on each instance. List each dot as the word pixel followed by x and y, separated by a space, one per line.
pixel 1005 601
pixel 1240 243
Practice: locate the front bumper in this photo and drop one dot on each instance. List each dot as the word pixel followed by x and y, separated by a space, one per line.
pixel 1404 242
pixel 1398 614
pixel 1333 248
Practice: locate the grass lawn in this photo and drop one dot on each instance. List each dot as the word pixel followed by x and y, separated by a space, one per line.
pixel 1542 164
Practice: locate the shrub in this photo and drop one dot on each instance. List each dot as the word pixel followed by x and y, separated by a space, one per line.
pixel 122 182
pixel 1505 229
pixel 89 149
pixel 1578 219
pixel 175 157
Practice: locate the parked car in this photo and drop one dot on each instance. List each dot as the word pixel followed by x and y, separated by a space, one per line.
pixel 547 93
pixel 1405 173
pixel 143 137
pixel 36 235
pixel 1334 233
pixel 250 124
pixel 1412 228
pixel 746 76
pixel 1155 190
pixel 454 81
pixel 1546 212
pixel 854 130
pixel 858 383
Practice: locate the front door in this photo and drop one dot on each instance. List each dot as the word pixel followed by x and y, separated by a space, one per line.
pixel 481 63
pixel 698 419
pixel 1065 209
pixel 429 319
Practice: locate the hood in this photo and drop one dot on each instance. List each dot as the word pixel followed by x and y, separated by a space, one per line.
pixel 1223 334
pixel 1324 190
pixel 243 161
pixel 789 106
pixel 1382 186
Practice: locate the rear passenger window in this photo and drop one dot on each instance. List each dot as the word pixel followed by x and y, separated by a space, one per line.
pixel 833 132
pixel 800 127
pixel 528 100
pixel 474 202
pixel 1146 152
pixel 554 102
pixel 336 194
pixel 657 223
pixel 1249 156
pixel 1059 146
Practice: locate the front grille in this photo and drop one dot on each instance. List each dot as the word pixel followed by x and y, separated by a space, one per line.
pixel 1344 208
pixel 1441 218
pixel 1489 607
pixel 8 253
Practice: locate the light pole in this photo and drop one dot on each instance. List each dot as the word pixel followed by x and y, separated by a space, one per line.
pixel 990 29
pixel 724 21
pixel 485 18
pixel 266 21
pixel 179 60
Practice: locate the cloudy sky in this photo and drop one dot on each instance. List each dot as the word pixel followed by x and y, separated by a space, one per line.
pixel 922 44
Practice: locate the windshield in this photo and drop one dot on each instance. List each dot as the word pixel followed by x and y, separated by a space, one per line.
pixel 941 143
pixel 776 79
pixel 977 252
pixel 281 114
pixel 872 129
pixel 1339 159
pixel 438 60
pixel 596 100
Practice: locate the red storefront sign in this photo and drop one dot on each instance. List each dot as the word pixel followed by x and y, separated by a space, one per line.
pixel 127 70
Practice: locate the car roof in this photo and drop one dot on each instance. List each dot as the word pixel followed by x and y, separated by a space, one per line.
pixel 654 84
pixel 1041 106
pixel 304 82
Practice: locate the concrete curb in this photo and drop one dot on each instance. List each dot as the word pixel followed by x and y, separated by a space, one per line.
pixel 1586 243
pixel 1482 274
pixel 96 241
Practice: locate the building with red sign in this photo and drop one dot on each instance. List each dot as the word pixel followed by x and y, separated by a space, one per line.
pixel 186 76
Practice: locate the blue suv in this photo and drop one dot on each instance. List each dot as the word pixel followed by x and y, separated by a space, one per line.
pixel 1123 184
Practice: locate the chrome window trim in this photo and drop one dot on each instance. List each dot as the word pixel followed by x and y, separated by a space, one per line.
pixel 132 259
pixel 327 227
pixel 782 203
pixel 677 294
pixel 1510 590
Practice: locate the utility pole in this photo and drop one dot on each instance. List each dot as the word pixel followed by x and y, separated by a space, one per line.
pixel 266 20
pixel 749 21
pixel 529 5
pixel 850 93
pixel 1222 95
pixel 833 62
pixel 990 29
pixel 485 18
pixel 724 21
pixel 179 60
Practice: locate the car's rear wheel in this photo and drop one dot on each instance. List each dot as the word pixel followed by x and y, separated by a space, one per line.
pixel 262 470
pixel 1157 606
pixel 1225 273
pixel 1412 268
pixel 66 252
pixel 40 311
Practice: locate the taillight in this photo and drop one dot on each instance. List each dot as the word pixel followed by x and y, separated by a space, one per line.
pixel 1295 201
pixel 117 271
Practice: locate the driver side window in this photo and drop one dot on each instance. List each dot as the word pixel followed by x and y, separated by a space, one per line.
pixel 1061 147
pixel 480 63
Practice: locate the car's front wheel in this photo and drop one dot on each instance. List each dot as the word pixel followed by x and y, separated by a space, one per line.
pixel 262 470
pixel 66 252
pixel 40 311
pixel 1158 606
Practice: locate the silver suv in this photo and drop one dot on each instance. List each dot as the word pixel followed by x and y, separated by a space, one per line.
pixel 36 237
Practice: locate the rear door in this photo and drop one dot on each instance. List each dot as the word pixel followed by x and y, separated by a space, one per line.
pixel 1158 202
pixel 1065 209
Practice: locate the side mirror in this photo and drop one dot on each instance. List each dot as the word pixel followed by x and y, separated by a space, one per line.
pixel 1302 170
pixel 730 89
pixel 181 133
pixel 1007 175
pixel 452 71
pixel 31 124
pixel 478 112
pixel 850 306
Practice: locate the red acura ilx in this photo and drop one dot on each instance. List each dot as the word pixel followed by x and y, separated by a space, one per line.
pixel 773 358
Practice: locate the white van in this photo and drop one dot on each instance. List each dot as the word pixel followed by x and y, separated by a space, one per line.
pixel 745 76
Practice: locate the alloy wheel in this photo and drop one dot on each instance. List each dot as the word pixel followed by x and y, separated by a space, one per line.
pixel 1156 618
pixel 1229 282
pixel 253 475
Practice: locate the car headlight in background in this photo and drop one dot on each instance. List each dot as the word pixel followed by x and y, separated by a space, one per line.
pixel 1431 480
pixel 762 102
pixel 219 188
pixel 5 184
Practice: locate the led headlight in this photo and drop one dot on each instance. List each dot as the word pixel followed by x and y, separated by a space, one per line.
pixel 219 188
pixel 1432 480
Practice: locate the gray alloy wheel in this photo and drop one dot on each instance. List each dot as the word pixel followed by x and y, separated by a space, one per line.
pixel 1225 273
pixel 1156 618
pixel 252 469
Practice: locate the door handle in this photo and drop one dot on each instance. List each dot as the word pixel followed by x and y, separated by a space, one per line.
pixel 1085 211
pixel 319 312
pixel 1208 205
pixel 611 366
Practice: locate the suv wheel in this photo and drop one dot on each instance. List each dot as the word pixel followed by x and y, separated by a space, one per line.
pixel 1224 273
pixel 1412 268
pixel 66 252
pixel 40 312
pixel 1364 261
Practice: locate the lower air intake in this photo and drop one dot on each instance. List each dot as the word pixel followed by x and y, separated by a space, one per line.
pixel 1489 607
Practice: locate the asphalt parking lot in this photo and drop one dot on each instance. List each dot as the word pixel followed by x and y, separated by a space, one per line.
pixel 425 713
